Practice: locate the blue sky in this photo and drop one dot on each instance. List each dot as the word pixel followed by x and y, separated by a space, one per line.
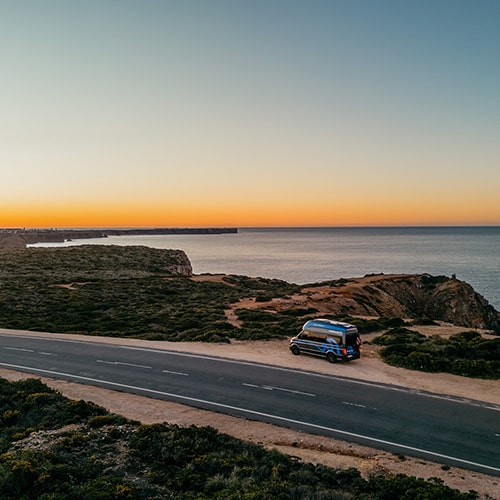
pixel 249 112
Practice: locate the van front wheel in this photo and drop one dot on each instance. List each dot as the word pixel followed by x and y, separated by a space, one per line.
pixel 331 357
pixel 295 350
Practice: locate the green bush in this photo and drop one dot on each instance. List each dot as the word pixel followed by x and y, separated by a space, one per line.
pixel 400 336
pixel 467 353
pixel 103 456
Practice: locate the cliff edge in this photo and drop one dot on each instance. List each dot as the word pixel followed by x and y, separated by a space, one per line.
pixel 439 298
pixel 134 290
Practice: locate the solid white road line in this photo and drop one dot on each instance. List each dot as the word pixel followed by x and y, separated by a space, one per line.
pixel 258 413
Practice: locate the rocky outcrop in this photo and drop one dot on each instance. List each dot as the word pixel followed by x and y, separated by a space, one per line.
pixel 11 240
pixel 133 260
pixel 94 261
pixel 442 298
pixel 403 296
pixel 20 238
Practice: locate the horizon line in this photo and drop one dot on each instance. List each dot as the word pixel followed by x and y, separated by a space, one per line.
pixel 152 227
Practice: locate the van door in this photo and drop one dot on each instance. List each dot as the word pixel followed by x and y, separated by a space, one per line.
pixel 305 342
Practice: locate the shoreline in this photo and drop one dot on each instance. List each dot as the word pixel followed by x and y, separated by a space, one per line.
pixel 19 238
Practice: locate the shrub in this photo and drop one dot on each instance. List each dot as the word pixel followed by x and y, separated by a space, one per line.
pixel 467 353
pixel 98 460
pixel 400 336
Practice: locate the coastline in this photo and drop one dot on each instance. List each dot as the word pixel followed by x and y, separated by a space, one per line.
pixel 313 255
pixel 18 237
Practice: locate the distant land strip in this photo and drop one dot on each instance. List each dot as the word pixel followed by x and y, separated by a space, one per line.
pixel 18 237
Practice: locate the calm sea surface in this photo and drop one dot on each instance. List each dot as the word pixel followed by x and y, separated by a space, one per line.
pixel 310 255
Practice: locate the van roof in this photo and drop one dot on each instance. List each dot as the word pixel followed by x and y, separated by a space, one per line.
pixel 328 324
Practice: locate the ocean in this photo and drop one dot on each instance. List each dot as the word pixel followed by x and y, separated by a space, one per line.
pixel 312 255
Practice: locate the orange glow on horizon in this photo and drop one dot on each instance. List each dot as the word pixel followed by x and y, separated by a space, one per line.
pixel 232 214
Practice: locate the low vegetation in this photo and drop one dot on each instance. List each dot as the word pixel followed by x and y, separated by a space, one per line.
pixel 137 292
pixel 467 353
pixel 54 448
pixel 131 292
pixel 126 292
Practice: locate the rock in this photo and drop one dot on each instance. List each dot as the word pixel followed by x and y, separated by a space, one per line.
pixel 103 261
pixel 126 260
pixel 12 240
pixel 404 296
pixel 31 236
pixel 455 301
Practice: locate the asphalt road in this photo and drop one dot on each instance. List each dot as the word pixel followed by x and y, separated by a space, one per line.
pixel 448 430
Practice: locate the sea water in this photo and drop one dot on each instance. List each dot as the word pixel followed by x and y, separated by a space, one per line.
pixel 312 255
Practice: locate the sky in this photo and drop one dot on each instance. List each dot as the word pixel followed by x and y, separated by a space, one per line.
pixel 195 113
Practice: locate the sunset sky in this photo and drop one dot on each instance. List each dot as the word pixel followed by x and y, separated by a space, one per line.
pixel 249 113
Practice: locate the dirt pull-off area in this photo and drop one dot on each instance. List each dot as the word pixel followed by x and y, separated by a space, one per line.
pixel 307 447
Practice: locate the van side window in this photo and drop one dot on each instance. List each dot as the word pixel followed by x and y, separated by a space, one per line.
pixel 334 339
pixel 317 338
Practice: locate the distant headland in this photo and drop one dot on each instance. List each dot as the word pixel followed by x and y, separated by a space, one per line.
pixel 20 237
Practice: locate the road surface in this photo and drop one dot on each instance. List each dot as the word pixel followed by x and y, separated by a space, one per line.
pixel 449 430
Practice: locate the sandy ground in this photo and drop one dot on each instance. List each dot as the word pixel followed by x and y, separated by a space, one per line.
pixel 309 448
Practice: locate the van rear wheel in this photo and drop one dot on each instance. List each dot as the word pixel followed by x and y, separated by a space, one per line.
pixel 295 350
pixel 331 357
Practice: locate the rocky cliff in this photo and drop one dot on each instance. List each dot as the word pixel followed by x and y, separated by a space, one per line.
pixel 391 296
pixel 93 261
pixel 19 238
pixel 404 296
pixel 126 260
pixel 12 240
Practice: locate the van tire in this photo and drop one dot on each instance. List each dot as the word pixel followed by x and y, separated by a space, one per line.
pixel 331 357
pixel 295 350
